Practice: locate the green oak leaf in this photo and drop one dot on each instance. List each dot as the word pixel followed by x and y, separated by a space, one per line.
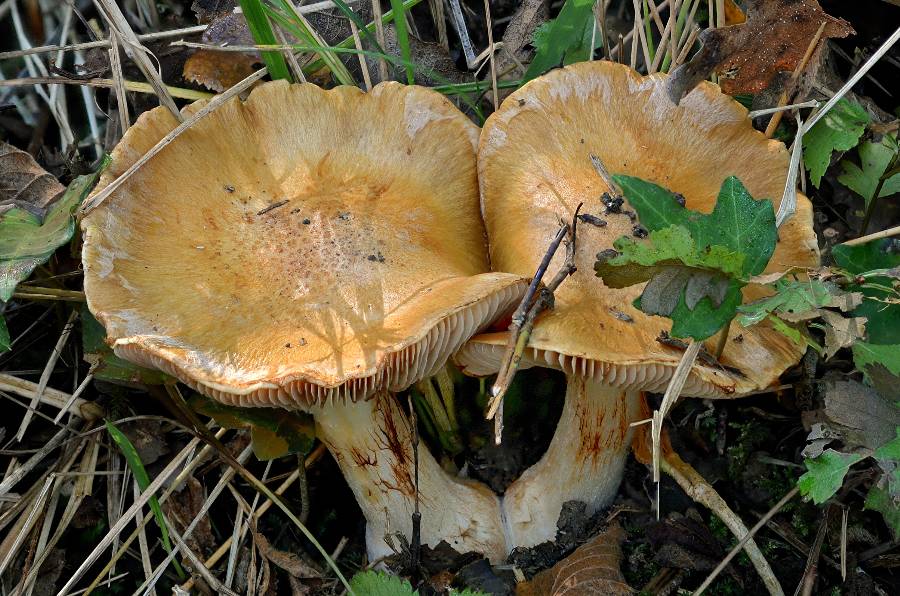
pixel 839 130
pixel 825 474
pixel 874 158
pixel 883 318
pixel 564 40
pixel 26 241
pixel 274 432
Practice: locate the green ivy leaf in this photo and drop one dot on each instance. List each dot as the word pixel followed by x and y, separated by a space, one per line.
pixel 26 241
pixel 105 365
pixel 738 222
pixel 874 159
pixel 839 130
pixel 565 39
pixel 695 264
pixel 883 318
pixel 825 474
pixel 274 432
pixel 376 583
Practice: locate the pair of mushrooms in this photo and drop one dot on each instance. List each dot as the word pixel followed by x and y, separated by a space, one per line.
pixel 324 250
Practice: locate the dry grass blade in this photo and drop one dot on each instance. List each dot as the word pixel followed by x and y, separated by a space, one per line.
pixel 126 518
pixel 230 543
pixel 12 478
pixel 45 375
pixel 53 397
pixel 139 54
pixel 213 495
pixel 673 391
pixel 136 86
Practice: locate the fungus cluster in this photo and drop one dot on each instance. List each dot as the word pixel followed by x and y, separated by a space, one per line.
pixel 328 264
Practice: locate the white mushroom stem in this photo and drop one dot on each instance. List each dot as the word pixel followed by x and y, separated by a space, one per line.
pixel 585 461
pixel 372 443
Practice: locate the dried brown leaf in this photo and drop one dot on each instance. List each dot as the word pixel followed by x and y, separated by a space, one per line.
pixel 218 71
pixel 748 56
pixel 289 562
pixel 841 332
pixel 594 568
pixel 209 10
pixel 25 184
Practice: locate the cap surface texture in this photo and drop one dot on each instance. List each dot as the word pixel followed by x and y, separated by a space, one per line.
pixel 300 245
pixel 535 168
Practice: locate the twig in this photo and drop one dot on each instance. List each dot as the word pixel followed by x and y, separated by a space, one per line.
pixel 737 547
pixel 416 537
pixel 811 571
pixel 698 489
pixel 519 316
pixel 139 54
pixel 812 103
pixel 888 233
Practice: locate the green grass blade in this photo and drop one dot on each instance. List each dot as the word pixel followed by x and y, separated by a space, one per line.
pixel 290 21
pixel 261 29
pixel 143 480
pixel 398 9
pixel 363 29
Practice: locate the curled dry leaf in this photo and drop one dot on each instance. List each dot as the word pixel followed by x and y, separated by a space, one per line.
pixel 748 56
pixel 214 70
pixel 594 568
pixel 25 184
pixel 218 71
pixel 290 562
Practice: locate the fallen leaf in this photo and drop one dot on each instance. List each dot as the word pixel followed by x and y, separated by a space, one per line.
pixel 290 562
pixel 30 232
pixel 274 433
pixel 880 365
pixel 841 332
pixel 748 56
pixel 186 505
pixel 105 365
pixel 594 568
pixel 24 184
pixel 218 71
pixel 856 415
pixel 214 70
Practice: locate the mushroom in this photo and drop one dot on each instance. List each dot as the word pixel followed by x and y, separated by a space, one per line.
pixel 534 168
pixel 311 250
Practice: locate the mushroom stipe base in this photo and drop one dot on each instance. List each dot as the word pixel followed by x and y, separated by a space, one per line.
pixel 584 462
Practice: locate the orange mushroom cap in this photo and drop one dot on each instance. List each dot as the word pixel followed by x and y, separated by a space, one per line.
pixel 298 245
pixel 535 168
